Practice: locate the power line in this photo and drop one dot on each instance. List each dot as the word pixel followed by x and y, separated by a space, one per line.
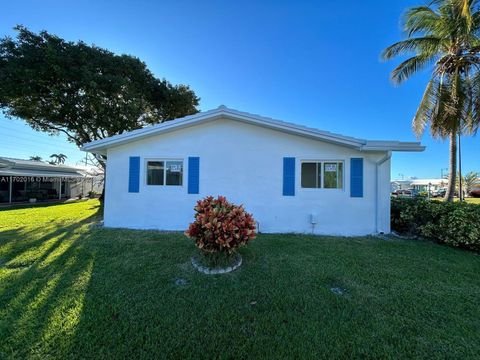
pixel 44 143
pixel 36 139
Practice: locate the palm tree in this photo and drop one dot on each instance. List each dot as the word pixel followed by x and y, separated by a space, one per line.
pixel 444 34
pixel 36 158
pixel 58 158
pixel 470 181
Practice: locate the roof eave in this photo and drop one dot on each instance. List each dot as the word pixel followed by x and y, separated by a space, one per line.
pixel 100 146
pixel 393 146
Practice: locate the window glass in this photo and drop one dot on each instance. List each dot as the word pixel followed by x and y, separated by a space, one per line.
pixel 155 173
pixel 310 175
pixel 332 175
pixel 174 173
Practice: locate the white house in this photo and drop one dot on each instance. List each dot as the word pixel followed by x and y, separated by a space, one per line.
pixel 290 177
pixel 420 184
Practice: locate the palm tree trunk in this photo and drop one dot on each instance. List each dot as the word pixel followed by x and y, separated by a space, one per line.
pixel 453 168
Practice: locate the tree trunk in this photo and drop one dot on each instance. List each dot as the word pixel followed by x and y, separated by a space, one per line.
pixel 453 168
pixel 102 196
pixel 102 162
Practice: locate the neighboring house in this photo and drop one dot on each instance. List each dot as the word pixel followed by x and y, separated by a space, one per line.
pixel 22 180
pixel 400 185
pixel 429 184
pixel 290 177
pixel 420 184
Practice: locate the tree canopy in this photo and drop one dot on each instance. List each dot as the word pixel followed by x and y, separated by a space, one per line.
pixel 83 91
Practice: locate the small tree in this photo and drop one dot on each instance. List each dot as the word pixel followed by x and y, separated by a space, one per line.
pixel 469 182
pixel 36 158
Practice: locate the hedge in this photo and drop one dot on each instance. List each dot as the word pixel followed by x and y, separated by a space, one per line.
pixel 452 223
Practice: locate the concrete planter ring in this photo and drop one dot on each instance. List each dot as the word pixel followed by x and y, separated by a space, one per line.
pixel 201 267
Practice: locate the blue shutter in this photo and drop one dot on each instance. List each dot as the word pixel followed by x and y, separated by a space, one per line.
pixel 134 174
pixel 356 177
pixel 288 176
pixel 193 175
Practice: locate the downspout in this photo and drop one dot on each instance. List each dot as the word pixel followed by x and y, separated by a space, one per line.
pixel 379 163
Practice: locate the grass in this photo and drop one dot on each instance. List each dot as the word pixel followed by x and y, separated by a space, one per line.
pixel 68 290
pixel 473 200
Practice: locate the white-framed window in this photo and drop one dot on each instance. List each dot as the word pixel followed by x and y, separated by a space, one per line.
pixel 165 172
pixel 322 174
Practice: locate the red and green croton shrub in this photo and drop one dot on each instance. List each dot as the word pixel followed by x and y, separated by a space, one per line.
pixel 220 226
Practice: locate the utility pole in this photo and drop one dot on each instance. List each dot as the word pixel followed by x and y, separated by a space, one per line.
pixel 460 189
pixel 441 172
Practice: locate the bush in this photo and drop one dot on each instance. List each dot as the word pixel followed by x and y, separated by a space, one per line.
pixel 423 194
pixel 453 223
pixel 220 227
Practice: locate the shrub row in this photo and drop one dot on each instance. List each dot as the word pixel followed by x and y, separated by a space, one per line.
pixel 455 224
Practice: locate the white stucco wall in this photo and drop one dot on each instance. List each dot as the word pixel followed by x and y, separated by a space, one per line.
pixel 245 163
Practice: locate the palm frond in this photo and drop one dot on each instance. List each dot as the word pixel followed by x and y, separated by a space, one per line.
pixel 474 122
pixel 423 45
pixel 422 116
pixel 409 67
pixel 439 118
pixel 421 19
pixel 466 12
pixel 475 21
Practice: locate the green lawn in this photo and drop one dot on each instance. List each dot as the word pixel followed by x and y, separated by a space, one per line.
pixel 473 200
pixel 68 291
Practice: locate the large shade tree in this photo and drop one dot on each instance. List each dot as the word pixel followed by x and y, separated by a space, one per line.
pixel 83 91
pixel 443 35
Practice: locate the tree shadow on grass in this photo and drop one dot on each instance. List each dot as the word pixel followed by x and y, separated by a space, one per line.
pixel 42 284
pixel 17 243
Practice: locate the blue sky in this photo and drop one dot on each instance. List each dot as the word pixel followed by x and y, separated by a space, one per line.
pixel 314 63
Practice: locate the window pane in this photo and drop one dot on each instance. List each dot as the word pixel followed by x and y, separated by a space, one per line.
pixel 174 172
pixel 309 175
pixel 155 171
pixel 330 175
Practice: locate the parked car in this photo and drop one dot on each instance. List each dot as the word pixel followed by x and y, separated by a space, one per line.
pixel 405 192
pixel 439 192
pixel 475 193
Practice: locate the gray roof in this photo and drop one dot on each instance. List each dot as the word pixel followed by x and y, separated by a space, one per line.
pixel 100 146
pixel 21 167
